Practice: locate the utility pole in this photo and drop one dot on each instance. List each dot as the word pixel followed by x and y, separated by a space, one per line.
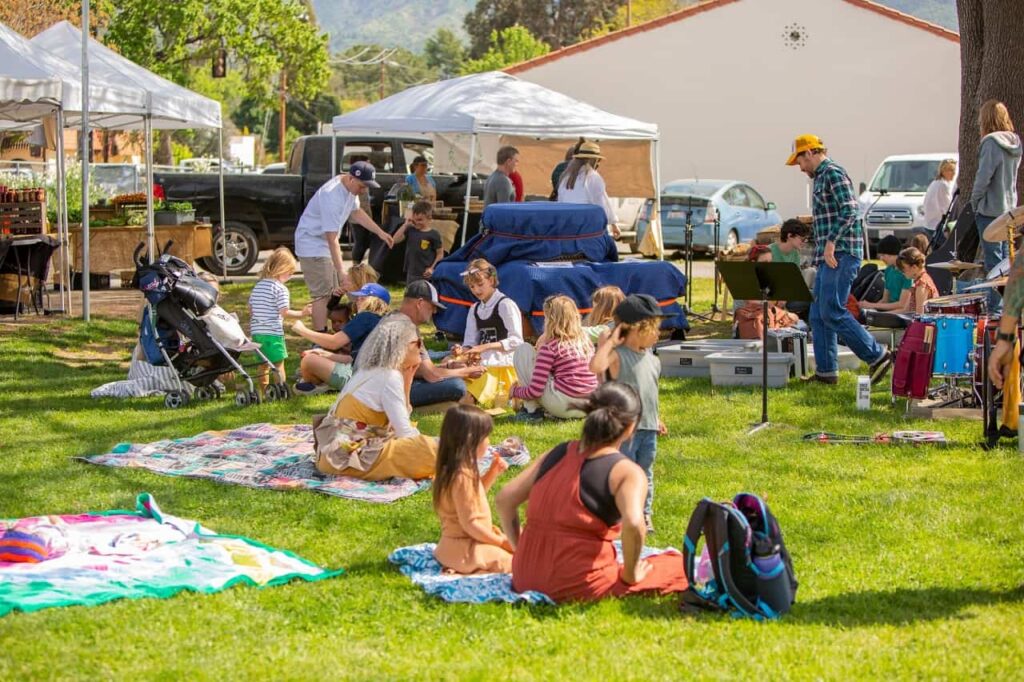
pixel 629 13
pixel 380 93
pixel 281 126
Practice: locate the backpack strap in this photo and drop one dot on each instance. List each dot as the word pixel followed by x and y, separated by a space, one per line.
pixel 718 534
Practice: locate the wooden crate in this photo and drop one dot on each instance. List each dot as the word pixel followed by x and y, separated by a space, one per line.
pixel 27 217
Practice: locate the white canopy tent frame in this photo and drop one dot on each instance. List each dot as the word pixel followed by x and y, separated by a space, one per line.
pixel 495 103
pixel 35 84
pixel 168 106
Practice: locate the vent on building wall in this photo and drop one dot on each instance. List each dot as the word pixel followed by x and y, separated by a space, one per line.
pixel 794 36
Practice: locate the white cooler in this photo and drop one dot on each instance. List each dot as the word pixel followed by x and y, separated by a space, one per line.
pixel 744 369
pixel 689 358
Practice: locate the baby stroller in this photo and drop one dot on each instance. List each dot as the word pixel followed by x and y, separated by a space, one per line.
pixel 183 328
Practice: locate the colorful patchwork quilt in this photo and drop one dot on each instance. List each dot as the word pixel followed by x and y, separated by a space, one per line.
pixel 278 457
pixel 87 559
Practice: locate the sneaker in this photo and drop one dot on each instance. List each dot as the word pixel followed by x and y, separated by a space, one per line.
pixel 650 524
pixel 880 367
pixel 819 379
pixel 523 415
pixel 309 388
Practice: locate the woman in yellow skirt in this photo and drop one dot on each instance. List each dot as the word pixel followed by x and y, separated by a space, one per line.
pixel 367 433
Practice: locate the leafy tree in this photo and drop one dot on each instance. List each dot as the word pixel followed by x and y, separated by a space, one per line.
pixel 29 17
pixel 508 46
pixel 302 118
pixel 445 52
pixel 640 11
pixel 556 22
pixel 990 50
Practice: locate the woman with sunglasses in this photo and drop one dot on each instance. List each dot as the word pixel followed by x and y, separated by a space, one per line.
pixel 367 434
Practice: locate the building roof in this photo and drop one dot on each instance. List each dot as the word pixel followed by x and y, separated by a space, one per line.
pixel 708 5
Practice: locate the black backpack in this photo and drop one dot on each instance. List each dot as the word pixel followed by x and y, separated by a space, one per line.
pixel 869 285
pixel 747 570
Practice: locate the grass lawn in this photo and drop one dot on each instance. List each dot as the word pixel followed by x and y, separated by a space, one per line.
pixel 910 559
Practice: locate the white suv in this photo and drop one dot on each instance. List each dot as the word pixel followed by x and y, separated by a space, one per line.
pixel 893 204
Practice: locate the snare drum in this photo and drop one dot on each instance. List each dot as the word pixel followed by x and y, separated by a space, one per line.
pixel 972 305
pixel 954 345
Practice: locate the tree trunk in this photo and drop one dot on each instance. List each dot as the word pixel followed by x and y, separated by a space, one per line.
pixel 991 53
pixel 163 155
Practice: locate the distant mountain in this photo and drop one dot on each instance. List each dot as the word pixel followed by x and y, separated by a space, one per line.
pixel 391 23
pixel 408 23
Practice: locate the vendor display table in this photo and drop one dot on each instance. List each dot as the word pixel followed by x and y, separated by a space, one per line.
pixel 111 248
pixel 24 262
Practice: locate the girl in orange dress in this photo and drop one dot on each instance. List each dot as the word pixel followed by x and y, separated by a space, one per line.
pixel 922 289
pixel 470 542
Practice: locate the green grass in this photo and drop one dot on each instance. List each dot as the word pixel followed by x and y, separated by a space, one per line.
pixel 910 559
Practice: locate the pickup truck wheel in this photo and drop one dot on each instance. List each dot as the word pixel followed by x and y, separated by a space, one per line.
pixel 243 250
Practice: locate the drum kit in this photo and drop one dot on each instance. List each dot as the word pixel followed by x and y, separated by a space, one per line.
pixel 960 332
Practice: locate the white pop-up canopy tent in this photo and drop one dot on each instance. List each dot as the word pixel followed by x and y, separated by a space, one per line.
pixel 167 106
pixel 35 84
pixel 500 105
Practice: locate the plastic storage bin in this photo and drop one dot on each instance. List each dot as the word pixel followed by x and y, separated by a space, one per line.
pixel 847 360
pixel 744 369
pixel 689 358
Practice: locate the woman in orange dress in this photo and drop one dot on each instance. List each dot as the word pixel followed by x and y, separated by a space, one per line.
pixel 469 543
pixel 582 496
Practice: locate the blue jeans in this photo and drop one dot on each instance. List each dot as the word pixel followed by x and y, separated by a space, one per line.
pixel 423 392
pixel 830 319
pixel 642 448
pixel 994 254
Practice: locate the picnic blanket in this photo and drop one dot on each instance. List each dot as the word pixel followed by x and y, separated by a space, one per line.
pixel 279 457
pixel 102 556
pixel 418 563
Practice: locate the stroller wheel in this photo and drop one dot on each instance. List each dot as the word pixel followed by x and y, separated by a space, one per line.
pixel 204 393
pixel 284 392
pixel 270 394
pixel 254 398
pixel 242 398
pixel 176 399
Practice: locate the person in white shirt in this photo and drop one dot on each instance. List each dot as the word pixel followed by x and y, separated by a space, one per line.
pixel 494 326
pixel 582 184
pixel 316 236
pixel 939 194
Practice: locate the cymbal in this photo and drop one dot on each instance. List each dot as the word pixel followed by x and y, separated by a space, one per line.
pixel 955 266
pixel 991 284
pixel 998 229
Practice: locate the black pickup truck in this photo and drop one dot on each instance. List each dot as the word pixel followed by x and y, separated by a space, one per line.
pixel 262 210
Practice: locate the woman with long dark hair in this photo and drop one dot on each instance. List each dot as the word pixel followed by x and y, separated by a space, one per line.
pixel 470 542
pixel 582 496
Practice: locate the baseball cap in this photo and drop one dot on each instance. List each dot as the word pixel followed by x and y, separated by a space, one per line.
pixel 424 290
pixel 637 308
pixel 371 289
pixel 364 172
pixel 890 245
pixel 804 143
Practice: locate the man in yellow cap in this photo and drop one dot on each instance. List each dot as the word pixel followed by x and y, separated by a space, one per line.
pixel 838 245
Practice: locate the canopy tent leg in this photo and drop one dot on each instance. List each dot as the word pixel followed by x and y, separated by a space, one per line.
pixel 469 187
pixel 223 226
pixel 84 152
pixel 657 197
pixel 64 255
pixel 147 127
pixel 334 153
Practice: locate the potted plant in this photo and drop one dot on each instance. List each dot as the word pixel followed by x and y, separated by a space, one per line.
pixel 175 213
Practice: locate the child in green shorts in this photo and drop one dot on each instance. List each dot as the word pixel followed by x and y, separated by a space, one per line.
pixel 269 304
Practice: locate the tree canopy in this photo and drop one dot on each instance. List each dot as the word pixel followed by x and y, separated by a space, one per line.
pixel 555 22
pixel 508 46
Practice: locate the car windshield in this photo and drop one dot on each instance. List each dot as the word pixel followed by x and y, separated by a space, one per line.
pixel 905 176
pixel 691 189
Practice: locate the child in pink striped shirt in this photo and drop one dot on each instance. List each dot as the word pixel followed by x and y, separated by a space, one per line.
pixel 558 370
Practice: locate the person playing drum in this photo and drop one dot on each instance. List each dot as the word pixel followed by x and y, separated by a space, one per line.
pixel 922 288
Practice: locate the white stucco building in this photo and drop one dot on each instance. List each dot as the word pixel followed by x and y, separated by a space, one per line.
pixel 730 83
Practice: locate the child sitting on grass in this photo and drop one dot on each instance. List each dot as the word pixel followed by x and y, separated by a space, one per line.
pixel 558 370
pixel 269 304
pixel 602 305
pixel 470 542
pixel 424 250
pixel 624 354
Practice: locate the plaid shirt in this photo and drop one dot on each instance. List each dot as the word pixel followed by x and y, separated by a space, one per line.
pixel 835 212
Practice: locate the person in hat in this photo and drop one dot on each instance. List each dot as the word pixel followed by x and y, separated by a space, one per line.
pixel 582 184
pixel 624 354
pixel 316 236
pixel 433 383
pixel 420 182
pixel 499 188
pixel 897 285
pixel 838 245
pixel 330 366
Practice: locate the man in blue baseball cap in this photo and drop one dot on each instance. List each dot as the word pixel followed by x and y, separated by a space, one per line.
pixel 316 236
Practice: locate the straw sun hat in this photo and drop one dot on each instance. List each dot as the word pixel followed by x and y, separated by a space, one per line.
pixel 588 150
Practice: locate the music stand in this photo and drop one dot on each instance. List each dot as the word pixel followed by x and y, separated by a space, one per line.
pixel 765 281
